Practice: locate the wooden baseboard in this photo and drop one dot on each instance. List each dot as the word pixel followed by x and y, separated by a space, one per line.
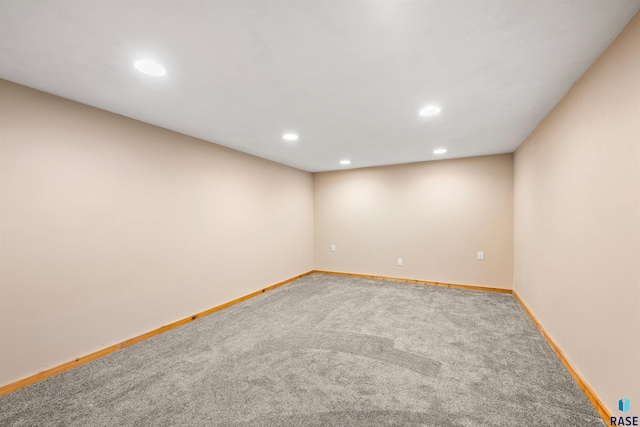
pixel 88 358
pixel 586 389
pixel 419 282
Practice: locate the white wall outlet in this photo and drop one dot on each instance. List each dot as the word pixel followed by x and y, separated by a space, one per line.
pixel 333 248
pixel 480 256
pixel 399 261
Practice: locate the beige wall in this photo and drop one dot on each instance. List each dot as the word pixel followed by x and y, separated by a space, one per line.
pixel 112 227
pixel 577 222
pixel 434 215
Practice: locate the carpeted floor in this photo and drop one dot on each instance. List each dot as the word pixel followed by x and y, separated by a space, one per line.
pixel 325 351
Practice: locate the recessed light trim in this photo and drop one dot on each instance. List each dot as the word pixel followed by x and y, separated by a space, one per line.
pixel 430 110
pixel 439 151
pixel 150 67
pixel 290 137
pixel 345 162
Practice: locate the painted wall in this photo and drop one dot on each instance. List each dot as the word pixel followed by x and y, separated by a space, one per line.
pixel 577 222
pixel 112 228
pixel 434 215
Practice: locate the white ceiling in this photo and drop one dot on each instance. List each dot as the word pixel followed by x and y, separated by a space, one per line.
pixel 348 76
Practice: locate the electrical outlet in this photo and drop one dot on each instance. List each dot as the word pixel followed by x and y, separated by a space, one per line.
pixel 333 248
pixel 480 256
pixel 399 261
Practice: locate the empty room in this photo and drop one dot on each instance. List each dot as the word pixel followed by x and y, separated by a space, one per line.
pixel 320 213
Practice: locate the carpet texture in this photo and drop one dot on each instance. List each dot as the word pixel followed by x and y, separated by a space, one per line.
pixel 325 351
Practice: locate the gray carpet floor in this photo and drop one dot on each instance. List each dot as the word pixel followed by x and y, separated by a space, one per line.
pixel 325 351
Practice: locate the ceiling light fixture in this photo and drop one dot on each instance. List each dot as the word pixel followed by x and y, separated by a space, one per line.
pixel 290 137
pixel 345 162
pixel 150 67
pixel 439 151
pixel 429 111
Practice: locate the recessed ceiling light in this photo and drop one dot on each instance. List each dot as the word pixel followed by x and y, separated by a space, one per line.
pixel 150 67
pixel 290 137
pixel 345 162
pixel 429 111
pixel 439 151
